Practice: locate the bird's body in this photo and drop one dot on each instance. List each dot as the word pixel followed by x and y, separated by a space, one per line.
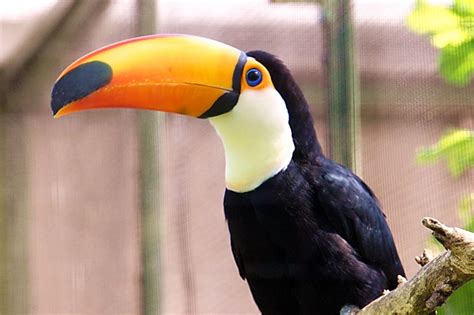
pixel 306 233
pixel 312 238
pixel 295 254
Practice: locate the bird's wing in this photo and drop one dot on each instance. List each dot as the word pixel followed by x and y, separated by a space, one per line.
pixel 238 259
pixel 354 212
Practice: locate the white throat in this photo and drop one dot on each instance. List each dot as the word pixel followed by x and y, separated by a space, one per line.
pixel 257 138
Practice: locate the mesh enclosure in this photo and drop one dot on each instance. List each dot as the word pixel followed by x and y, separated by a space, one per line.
pixel 405 106
pixel 199 272
pixel 71 192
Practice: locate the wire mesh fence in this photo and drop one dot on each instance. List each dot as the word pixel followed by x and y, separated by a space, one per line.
pixel 72 186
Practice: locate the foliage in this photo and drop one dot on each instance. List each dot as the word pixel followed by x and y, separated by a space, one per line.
pixel 451 29
pixel 466 212
pixel 456 147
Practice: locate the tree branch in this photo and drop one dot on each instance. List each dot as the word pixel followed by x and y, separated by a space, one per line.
pixel 436 280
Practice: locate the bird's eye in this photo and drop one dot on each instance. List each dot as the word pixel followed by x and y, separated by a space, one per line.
pixel 254 77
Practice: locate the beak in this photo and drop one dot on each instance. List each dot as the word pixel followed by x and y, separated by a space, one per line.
pixel 171 73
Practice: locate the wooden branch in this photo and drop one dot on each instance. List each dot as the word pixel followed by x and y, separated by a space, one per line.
pixel 436 280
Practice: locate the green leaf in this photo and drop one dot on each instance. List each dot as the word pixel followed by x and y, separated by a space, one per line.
pixel 456 64
pixel 451 29
pixel 464 7
pixel 448 37
pixel 460 303
pixel 456 147
pixel 470 225
pixel 432 19
pixel 466 212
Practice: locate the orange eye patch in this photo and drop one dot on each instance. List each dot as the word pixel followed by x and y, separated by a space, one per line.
pixel 255 76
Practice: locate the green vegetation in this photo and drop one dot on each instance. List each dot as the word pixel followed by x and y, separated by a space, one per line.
pixel 451 30
pixel 456 147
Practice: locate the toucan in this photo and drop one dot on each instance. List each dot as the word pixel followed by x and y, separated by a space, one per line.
pixel 307 234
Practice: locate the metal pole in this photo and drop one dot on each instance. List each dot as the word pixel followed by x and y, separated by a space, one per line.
pixel 343 83
pixel 13 216
pixel 149 181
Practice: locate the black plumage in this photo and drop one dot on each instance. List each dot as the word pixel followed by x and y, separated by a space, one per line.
pixel 312 238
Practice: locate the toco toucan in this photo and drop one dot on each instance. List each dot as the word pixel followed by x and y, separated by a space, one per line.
pixel 306 233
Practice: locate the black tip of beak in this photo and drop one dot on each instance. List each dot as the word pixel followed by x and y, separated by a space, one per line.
pixel 80 82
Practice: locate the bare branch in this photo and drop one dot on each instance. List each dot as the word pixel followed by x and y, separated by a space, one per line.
pixel 436 280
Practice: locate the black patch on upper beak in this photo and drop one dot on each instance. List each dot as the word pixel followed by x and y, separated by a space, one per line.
pixel 80 82
pixel 228 100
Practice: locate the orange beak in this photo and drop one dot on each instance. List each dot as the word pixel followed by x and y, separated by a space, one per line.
pixel 171 73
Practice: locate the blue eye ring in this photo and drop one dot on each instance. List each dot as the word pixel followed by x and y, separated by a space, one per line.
pixel 254 77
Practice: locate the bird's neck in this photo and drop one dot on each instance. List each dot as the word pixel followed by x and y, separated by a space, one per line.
pixel 257 139
pixel 301 122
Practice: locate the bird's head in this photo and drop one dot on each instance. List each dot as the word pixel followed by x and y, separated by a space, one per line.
pixel 193 76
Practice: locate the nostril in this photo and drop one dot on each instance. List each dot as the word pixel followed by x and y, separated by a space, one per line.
pixel 80 82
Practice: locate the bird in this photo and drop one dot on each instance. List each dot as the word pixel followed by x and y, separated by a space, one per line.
pixel 307 234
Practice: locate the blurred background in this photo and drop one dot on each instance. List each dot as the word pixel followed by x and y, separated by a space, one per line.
pixel 120 212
